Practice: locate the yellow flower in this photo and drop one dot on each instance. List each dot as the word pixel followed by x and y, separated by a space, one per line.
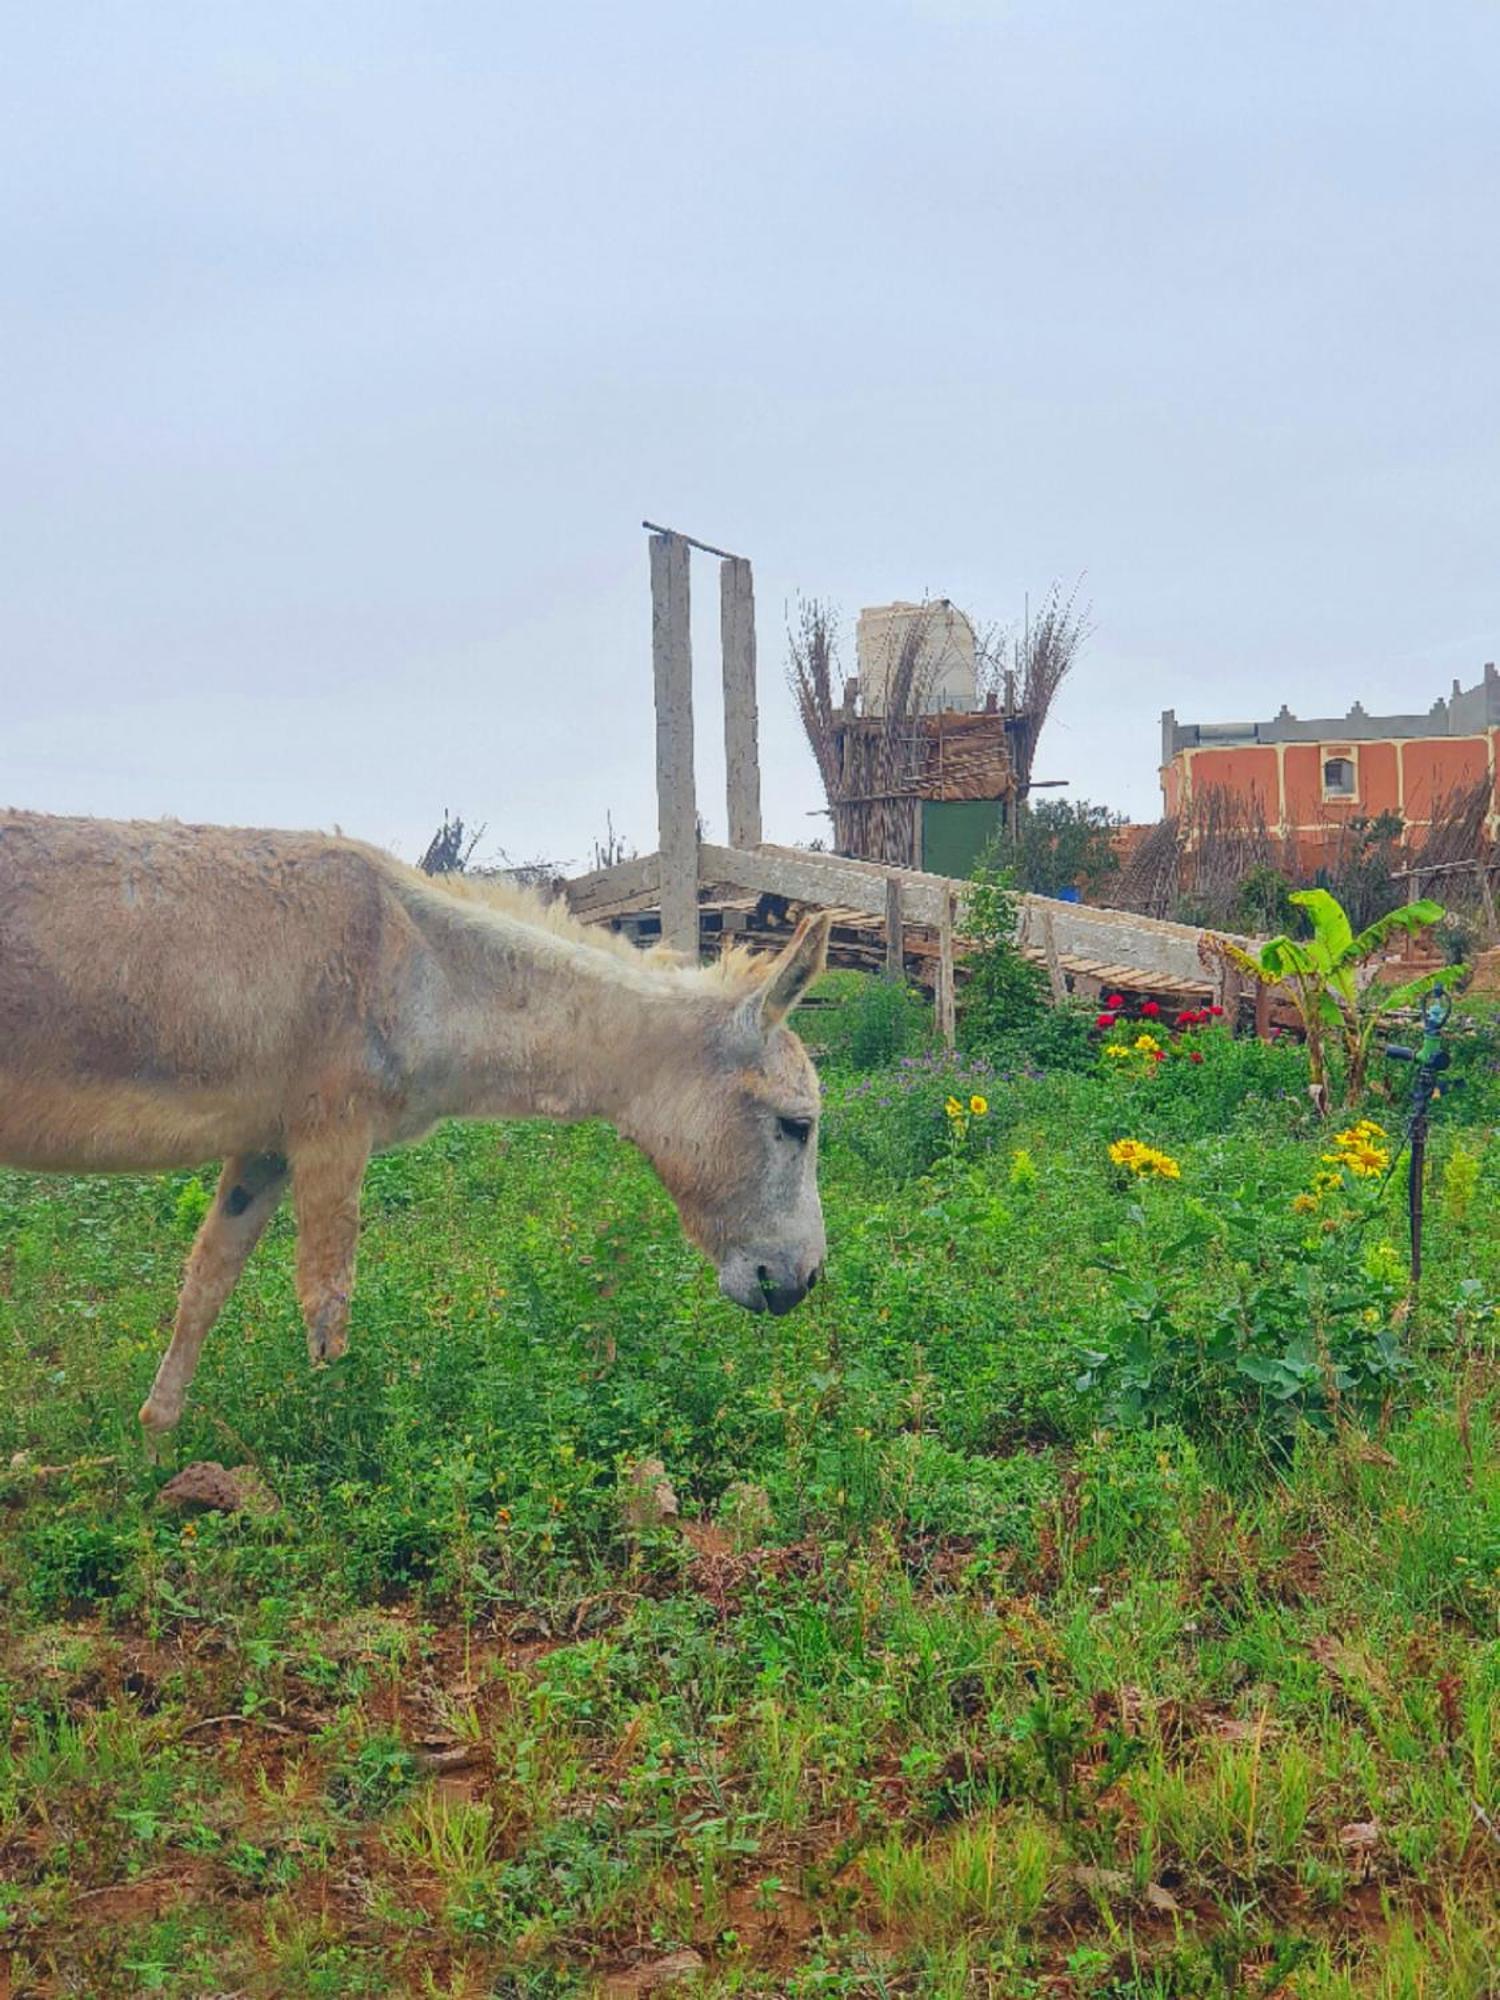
pixel 1138 1158
pixel 1367 1160
pixel 1147 1044
pixel 979 1106
pixel 953 1108
pixel 1116 1050
pixel 1305 1204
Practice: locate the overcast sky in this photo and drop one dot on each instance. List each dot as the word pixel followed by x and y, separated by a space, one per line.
pixel 345 347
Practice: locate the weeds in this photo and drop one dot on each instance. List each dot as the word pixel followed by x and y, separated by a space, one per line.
pixel 956 1675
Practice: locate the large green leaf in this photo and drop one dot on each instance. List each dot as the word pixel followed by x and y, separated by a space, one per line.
pixel 1237 955
pixel 1289 958
pixel 1392 998
pixel 1410 917
pixel 1332 932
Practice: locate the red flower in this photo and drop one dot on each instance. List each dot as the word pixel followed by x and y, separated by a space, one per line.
pixel 1114 1001
pixel 1151 1009
pixel 1216 1011
pixel 1158 1055
pixel 1195 1055
pixel 1105 1021
pixel 1187 1020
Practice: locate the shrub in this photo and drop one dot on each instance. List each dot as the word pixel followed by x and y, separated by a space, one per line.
pixel 1005 994
pixel 863 1021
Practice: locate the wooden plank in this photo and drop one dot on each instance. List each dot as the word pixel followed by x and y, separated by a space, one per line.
pixel 1487 896
pixel 1144 944
pixel 607 890
pixel 1115 946
pixel 895 956
pixel 676 800
pixel 947 1004
pixel 1049 950
pixel 741 720
pixel 822 879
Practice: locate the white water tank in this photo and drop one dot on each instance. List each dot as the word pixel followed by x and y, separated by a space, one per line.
pixel 946 667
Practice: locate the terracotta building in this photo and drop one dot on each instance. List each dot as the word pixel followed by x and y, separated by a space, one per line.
pixel 1309 778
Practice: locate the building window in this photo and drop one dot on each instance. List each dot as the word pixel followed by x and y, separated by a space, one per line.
pixel 1338 778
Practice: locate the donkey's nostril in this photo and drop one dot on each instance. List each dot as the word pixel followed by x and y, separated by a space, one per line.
pixel 762 1276
pixel 812 1278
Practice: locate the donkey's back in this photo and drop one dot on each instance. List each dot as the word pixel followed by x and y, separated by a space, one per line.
pixel 167 990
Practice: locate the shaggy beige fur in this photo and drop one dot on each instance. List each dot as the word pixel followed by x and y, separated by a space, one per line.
pixel 289 1002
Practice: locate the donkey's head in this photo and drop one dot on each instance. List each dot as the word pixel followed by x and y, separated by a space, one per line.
pixel 733 1131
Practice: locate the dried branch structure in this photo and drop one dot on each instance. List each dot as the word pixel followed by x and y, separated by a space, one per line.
pixel 1025 685
pixel 1199 860
pixel 873 767
pixel 1458 832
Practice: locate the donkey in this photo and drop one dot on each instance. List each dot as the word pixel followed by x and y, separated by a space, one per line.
pixel 288 1003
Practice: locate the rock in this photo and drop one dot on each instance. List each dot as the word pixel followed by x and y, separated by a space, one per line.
pixel 1108 1881
pixel 662 1973
pixel 206 1487
pixel 460 1757
pixel 745 1512
pixel 646 1496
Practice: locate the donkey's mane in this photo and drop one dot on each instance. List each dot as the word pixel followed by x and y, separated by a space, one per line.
pixel 736 970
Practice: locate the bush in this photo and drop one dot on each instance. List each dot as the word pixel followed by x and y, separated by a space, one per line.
pixel 1066 844
pixel 895 1122
pixel 1005 994
pixel 865 1022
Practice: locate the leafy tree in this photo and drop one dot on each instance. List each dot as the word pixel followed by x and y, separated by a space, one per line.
pixel 1262 901
pixel 1362 876
pixel 1064 844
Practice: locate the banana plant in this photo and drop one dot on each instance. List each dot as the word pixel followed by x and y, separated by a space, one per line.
pixel 1331 979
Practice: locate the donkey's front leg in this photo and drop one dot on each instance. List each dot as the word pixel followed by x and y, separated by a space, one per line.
pixel 326 1174
pixel 244 1202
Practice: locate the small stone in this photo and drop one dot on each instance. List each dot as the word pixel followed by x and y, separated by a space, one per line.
pixel 660 1974
pixel 1108 1881
pixel 745 1512
pixel 1360 1835
pixel 461 1757
pixel 1158 1898
pixel 646 1496
pixel 207 1487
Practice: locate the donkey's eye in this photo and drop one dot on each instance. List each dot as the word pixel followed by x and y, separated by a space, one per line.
pixel 799 1129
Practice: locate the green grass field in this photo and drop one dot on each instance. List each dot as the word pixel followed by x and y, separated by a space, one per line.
pixel 1091 1592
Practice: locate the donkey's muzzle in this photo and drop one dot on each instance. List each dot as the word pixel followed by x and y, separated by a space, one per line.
pixel 771 1292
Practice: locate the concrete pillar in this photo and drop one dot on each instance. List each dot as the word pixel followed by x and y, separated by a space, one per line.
pixel 947 994
pixel 895 952
pixel 741 721
pixel 676 799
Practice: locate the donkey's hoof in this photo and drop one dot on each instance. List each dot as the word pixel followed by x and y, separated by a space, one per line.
pixel 157 1423
pixel 327 1339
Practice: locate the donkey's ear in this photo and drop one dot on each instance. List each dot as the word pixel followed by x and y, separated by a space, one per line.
pixel 794 971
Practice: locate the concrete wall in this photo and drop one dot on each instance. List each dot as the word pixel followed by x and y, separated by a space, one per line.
pixel 1405 775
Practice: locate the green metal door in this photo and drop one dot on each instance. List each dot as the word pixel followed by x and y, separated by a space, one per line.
pixel 955 832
